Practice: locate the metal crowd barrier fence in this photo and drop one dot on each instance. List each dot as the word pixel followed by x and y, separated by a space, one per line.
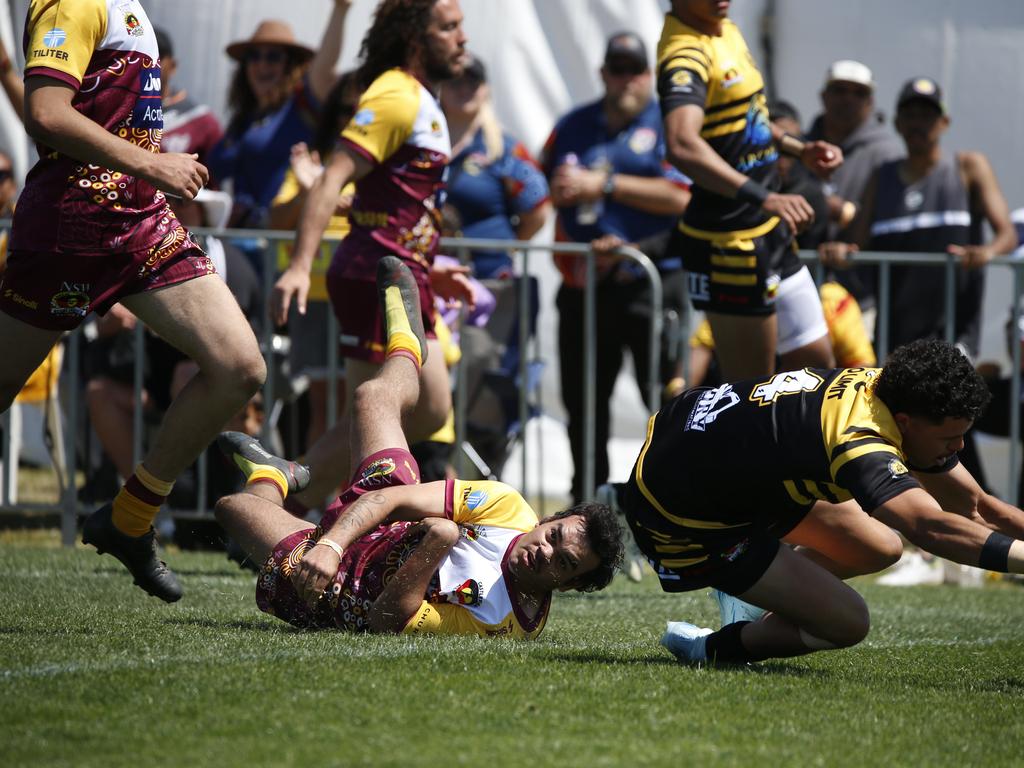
pixel 69 506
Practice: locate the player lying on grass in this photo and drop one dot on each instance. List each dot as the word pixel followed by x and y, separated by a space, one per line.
pixel 391 555
pixel 727 472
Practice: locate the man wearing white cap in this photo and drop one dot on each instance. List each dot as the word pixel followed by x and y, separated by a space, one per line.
pixel 849 120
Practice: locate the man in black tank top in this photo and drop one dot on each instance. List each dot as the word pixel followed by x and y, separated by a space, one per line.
pixel 931 202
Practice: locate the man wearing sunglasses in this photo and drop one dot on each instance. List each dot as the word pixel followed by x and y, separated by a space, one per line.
pixel 610 182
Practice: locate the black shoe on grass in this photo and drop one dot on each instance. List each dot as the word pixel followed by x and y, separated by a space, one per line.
pixel 248 455
pixel 393 273
pixel 136 553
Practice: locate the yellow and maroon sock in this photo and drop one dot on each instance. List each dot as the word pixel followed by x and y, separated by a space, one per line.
pixel 138 502
pixel 401 341
pixel 264 473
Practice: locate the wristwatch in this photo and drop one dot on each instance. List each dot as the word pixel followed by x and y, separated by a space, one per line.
pixel 609 185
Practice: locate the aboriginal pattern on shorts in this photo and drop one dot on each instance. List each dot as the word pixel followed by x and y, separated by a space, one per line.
pixel 365 569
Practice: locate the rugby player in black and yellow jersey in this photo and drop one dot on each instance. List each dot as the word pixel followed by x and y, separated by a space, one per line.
pixel 736 237
pixel 828 460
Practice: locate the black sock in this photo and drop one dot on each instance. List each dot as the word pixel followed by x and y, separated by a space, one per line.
pixel 725 646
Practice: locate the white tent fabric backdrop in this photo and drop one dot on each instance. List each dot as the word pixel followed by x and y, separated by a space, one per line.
pixel 543 58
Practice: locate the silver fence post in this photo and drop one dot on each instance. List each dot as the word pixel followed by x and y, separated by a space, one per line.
pixel 461 379
pixel 950 298
pixel 333 333
pixel 269 270
pixel 1015 387
pixel 69 493
pixel 589 375
pixel 138 383
pixel 656 325
pixel 882 317
pixel 524 307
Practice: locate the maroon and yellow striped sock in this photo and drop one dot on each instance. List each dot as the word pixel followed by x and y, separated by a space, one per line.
pixel 402 340
pixel 138 502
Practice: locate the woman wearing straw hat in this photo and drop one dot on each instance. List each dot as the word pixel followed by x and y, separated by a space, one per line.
pixel 274 101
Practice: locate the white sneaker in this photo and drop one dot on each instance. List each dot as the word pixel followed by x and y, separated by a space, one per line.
pixel 633 560
pixel 685 641
pixel 732 609
pixel 912 570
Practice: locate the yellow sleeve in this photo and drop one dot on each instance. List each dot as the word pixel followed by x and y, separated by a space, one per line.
pixel 449 619
pixel 487 502
pixel 702 336
pixel 386 114
pixel 846 331
pixel 63 36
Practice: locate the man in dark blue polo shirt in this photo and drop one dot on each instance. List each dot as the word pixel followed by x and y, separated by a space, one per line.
pixel 609 180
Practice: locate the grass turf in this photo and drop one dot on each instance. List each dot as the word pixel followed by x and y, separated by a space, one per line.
pixel 94 672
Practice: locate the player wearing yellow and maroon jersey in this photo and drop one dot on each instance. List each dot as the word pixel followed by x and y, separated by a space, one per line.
pixel 93 228
pixel 392 555
pixel 396 150
pixel 828 460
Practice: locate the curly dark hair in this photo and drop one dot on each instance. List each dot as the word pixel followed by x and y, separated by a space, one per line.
pixel 604 532
pixel 933 380
pixel 396 23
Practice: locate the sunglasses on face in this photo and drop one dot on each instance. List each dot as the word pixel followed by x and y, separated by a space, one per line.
pixel 849 90
pixel 5 174
pixel 625 68
pixel 269 55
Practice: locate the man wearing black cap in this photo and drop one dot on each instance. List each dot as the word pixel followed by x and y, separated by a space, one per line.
pixel 736 236
pixel 930 202
pixel 606 166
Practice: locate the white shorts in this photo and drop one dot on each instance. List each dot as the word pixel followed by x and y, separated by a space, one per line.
pixel 798 312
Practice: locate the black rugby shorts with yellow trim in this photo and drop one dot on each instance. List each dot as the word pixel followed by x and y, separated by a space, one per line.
pixel 736 273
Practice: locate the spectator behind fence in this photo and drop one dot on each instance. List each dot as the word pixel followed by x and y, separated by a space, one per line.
pixel 605 162
pixel 93 228
pixel 850 120
pixel 931 201
pixel 736 237
pixel 274 101
pixel 308 331
pixel 396 150
pixel 8 198
pixel 188 127
pixel 493 182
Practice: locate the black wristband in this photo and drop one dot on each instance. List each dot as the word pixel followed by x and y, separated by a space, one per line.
pixel 995 553
pixel 752 192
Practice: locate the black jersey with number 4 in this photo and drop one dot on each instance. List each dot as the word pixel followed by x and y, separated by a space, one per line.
pixel 759 453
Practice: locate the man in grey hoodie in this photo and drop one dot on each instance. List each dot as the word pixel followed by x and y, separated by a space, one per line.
pixel 850 121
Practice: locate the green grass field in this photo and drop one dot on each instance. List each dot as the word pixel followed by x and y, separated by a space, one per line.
pixel 94 672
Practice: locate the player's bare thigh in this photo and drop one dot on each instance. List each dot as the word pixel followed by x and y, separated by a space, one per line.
pixel 22 348
pixel 201 318
pixel 848 536
pixel 257 523
pixel 745 344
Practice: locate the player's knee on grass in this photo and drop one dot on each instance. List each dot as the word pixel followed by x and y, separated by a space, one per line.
pixel 849 623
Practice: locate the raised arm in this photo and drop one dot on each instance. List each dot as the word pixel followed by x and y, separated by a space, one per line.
pixel 12 83
pixel 51 120
pixel 321 68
